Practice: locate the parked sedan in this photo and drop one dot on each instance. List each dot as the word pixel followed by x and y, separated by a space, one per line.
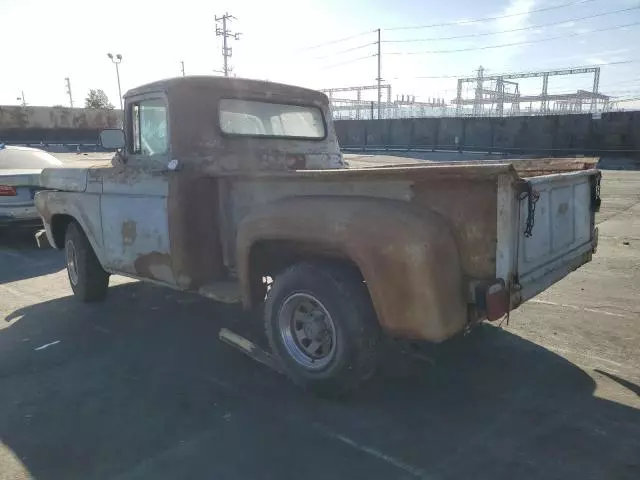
pixel 20 169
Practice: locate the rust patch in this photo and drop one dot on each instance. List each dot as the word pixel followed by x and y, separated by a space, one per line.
pixel 411 266
pixel 194 229
pixel 562 208
pixel 129 232
pixel 470 208
pixel 155 265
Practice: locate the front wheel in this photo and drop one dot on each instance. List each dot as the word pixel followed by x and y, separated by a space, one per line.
pixel 321 326
pixel 88 279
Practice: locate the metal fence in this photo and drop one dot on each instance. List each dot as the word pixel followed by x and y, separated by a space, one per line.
pixel 369 111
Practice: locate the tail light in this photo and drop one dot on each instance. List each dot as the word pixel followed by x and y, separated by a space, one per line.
pixel 7 191
pixel 497 301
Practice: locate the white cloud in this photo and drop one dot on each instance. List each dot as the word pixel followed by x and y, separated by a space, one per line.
pixel 517 14
pixel 582 58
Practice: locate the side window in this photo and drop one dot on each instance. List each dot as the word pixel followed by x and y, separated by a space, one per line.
pixel 149 128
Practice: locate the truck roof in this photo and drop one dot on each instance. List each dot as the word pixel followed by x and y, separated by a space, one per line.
pixel 229 86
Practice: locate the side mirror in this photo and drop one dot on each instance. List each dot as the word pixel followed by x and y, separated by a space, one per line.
pixel 111 138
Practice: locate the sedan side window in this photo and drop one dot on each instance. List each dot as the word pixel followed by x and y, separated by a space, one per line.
pixel 149 132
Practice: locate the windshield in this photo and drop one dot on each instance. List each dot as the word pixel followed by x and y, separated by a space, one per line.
pixel 254 118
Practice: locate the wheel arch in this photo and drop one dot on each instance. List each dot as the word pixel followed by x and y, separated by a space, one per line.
pixel 59 224
pixel 58 209
pixel 409 260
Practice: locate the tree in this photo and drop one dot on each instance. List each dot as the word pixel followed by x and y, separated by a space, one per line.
pixel 97 99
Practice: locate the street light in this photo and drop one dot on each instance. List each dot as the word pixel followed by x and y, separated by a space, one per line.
pixel 116 61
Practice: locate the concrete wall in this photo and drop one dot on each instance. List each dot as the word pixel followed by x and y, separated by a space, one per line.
pixel 57 117
pixel 552 134
pixel 54 124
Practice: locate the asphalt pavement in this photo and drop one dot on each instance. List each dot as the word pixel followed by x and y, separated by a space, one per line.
pixel 139 387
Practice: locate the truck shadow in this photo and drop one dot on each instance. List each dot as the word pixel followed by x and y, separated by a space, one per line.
pixel 139 386
pixel 20 257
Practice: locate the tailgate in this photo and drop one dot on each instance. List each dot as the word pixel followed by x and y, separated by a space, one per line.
pixel 557 231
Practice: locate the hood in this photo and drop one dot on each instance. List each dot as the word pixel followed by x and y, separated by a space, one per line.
pixel 67 179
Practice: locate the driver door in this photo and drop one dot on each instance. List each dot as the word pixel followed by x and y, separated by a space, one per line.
pixel 134 200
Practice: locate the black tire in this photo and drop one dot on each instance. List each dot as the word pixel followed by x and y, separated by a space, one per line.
pixel 342 294
pixel 89 282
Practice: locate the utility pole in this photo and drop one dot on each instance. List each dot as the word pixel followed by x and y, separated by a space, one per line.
pixel 68 85
pixel 477 102
pixel 596 84
pixel 182 66
pixel 22 99
pixel 225 34
pixel 545 84
pixel 379 75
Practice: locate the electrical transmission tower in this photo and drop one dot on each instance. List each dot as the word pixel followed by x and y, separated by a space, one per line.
pixel 68 85
pixel 226 34
pixel 496 90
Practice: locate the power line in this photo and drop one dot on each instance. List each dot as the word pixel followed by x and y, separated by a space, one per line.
pixel 489 19
pixel 346 62
pixel 466 74
pixel 340 52
pixel 339 40
pixel 623 82
pixel 513 30
pixel 513 44
pixel 624 92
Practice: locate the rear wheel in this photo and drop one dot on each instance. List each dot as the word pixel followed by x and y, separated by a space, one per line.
pixel 322 328
pixel 88 279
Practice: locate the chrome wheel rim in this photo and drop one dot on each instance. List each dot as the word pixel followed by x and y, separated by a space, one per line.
pixel 72 262
pixel 307 331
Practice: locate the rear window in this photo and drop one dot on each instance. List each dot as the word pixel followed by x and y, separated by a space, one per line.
pixel 254 118
pixel 24 157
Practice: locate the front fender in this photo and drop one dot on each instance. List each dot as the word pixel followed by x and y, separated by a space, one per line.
pixel 84 208
pixel 408 257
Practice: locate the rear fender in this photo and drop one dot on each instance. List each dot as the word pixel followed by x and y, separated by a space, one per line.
pixel 408 257
pixel 84 208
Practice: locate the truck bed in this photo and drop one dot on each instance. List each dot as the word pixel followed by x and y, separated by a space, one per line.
pixel 481 209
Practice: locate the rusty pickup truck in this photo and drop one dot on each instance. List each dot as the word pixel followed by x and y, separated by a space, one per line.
pixel 237 189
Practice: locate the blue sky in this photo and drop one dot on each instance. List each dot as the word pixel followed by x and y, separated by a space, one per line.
pixel 70 38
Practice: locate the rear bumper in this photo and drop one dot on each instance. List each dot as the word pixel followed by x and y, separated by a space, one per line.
pixel 19 215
